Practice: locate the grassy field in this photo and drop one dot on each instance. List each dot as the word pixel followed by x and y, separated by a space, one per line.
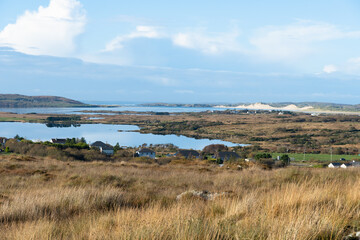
pixel 11 119
pixel 42 198
pixel 318 157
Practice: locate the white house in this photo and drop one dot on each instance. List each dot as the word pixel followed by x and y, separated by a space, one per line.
pixel 345 165
pixel 103 147
pixel 352 164
pixel 334 165
pixel 145 152
pixel 3 141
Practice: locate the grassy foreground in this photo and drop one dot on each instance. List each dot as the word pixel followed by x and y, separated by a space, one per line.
pixel 51 199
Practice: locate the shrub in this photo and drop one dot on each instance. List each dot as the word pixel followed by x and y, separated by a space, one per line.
pixel 262 156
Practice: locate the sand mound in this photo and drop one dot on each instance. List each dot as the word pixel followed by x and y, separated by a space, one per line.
pixel 261 106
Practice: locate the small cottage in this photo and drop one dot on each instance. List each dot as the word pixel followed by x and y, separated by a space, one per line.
pixel 145 152
pixel 334 165
pixel 103 147
pixel 345 165
pixel 351 164
pixel 58 140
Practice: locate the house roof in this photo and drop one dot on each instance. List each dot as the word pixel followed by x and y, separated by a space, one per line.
pixel 336 164
pixel 58 140
pixel 187 153
pixel 355 164
pixel 227 155
pixel 347 164
pixel 102 145
pixel 145 150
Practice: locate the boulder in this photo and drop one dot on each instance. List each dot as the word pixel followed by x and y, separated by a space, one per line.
pixel 204 195
pixel 353 236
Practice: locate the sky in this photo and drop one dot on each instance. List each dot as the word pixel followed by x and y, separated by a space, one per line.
pixel 184 51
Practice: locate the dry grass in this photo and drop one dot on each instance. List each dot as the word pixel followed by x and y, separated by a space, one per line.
pixel 49 199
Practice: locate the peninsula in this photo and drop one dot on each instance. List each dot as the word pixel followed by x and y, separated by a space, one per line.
pixel 22 101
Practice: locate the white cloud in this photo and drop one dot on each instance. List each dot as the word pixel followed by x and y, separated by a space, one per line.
pixel 287 44
pixel 351 67
pixel 140 32
pixel 208 43
pixel 295 41
pixel 50 30
pixel 330 68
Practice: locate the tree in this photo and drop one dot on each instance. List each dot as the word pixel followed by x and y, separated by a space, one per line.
pixel 214 148
pixel 285 159
pixel 117 147
pixel 17 137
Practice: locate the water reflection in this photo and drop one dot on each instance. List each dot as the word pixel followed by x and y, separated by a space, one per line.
pixel 62 125
pixel 102 132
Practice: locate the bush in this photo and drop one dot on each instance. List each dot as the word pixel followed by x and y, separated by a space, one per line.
pixel 7 150
pixel 285 159
pixel 262 156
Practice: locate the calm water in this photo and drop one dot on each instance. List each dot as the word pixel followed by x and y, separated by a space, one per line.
pixel 122 108
pixel 102 132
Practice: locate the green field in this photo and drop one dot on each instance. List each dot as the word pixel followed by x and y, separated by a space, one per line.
pixel 317 157
pixel 16 119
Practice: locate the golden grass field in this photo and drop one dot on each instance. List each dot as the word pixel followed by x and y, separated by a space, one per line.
pixel 42 198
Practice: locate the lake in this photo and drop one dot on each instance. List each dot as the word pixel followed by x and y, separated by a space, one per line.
pixel 103 132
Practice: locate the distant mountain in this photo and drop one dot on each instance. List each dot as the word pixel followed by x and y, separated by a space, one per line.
pixel 22 101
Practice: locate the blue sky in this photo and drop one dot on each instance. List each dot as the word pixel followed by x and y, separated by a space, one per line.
pixel 184 51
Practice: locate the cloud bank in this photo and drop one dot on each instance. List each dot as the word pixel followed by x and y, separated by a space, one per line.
pixel 208 43
pixel 50 30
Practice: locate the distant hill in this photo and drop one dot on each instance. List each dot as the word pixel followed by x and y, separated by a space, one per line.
pixel 189 105
pixel 22 101
pixel 290 106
